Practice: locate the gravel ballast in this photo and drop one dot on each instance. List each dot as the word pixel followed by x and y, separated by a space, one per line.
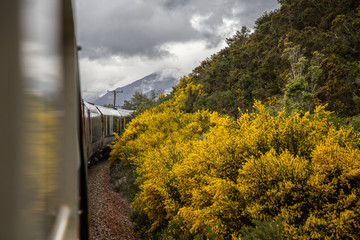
pixel 109 213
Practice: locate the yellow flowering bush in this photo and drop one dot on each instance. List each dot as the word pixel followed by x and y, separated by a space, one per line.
pixel 202 175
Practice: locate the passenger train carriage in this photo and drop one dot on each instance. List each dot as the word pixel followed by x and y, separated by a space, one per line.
pixel 100 124
pixel 47 133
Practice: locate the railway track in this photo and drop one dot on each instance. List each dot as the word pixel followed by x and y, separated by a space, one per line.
pixel 109 213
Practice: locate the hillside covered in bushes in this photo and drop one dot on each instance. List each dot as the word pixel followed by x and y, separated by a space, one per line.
pixel 246 146
pixel 303 54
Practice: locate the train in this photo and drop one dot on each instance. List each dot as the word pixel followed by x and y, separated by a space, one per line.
pixel 99 124
pixel 48 133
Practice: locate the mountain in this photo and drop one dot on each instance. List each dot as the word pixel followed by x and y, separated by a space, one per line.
pixel 154 81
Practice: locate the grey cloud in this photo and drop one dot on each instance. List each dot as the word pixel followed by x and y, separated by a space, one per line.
pixel 173 4
pixel 137 30
pixel 139 27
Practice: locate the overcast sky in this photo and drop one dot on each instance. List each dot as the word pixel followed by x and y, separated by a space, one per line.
pixel 125 40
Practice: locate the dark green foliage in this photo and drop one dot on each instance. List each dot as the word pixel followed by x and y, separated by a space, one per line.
pixel 326 34
pixel 141 102
pixel 122 178
pixel 137 100
pixel 355 122
pixel 223 101
pixel 142 223
pixel 337 121
pixel 263 230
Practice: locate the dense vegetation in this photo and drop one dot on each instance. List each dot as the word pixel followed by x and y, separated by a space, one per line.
pixel 201 174
pixel 303 54
pixel 213 162
pixel 141 102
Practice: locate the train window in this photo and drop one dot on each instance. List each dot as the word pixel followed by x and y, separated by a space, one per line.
pixel 41 63
pixel 117 127
pixel 91 129
pixel 42 115
pixel 107 125
pixel 41 53
pixel 111 125
pixel 48 185
pixel 96 128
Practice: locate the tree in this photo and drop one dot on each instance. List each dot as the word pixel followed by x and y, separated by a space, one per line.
pixel 136 101
pixel 296 97
pixel 303 80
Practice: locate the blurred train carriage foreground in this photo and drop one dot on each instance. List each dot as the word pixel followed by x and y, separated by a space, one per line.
pixel 45 142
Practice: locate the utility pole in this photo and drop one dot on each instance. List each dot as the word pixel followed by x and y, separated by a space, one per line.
pixel 114 92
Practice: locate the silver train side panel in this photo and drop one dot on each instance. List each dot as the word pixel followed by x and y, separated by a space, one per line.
pixel 110 123
pixel 93 129
pixel 86 130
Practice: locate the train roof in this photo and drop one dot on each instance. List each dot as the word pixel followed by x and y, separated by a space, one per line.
pixel 108 111
pixel 91 107
pixel 125 112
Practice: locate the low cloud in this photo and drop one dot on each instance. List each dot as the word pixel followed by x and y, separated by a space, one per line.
pixel 123 40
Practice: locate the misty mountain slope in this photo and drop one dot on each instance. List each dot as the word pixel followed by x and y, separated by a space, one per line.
pixel 154 81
